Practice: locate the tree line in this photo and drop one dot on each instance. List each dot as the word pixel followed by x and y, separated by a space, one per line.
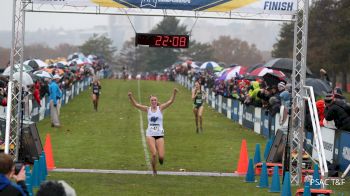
pixel 225 50
pixel 328 39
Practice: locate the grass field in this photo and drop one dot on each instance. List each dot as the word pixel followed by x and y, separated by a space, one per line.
pixel 111 139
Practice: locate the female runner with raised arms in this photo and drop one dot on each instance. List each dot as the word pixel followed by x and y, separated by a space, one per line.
pixel 155 131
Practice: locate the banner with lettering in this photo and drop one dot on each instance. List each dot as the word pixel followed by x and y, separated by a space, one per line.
pixel 248 116
pixel 244 6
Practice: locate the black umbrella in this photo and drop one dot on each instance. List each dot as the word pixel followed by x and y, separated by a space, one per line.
pixel 272 79
pixel 284 64
pixel 253 67
pixel 321 87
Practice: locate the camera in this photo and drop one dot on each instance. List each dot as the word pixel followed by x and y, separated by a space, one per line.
pixel 18 167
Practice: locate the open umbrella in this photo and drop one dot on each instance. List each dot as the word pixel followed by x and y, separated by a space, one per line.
pixel 76 55
pixel 61 64
pixel 321 88
pixel 43 74
pixel 272 79
pixel 253 67
pixel 195 65
pixel 35 63
pixel 283 64
pixel 236 71
pixel 16 68
pixel 26 78
pixel 51 70
pixel 261 71
pixel 209 65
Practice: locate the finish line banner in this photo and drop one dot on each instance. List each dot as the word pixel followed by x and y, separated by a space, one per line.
pixel 243 6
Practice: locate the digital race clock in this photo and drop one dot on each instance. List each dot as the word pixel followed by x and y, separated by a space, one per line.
pixel 162 40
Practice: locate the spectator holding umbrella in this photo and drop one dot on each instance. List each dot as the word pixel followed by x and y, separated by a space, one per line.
pixel 338 111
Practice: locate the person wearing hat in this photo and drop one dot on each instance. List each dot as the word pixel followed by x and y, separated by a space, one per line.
pixel 55 96
pixel 338 111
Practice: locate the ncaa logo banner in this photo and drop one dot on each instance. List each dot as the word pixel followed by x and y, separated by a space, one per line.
pixel 244 6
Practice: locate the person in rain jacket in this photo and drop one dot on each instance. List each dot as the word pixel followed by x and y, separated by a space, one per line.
pixel 338 111
pixel 55 95
pixel 253 92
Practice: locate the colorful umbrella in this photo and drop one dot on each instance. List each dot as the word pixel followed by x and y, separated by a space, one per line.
pixel 209 65
pixel 16 68
pixel 43 74
pixel 35 63
pixel 261 71
pixel 236 71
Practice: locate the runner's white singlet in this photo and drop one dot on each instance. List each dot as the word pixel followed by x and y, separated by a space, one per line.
pixel 155 123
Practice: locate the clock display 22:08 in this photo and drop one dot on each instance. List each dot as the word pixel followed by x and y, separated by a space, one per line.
pixel 170 41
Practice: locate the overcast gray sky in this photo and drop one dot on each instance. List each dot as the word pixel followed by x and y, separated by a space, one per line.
pixel 35 21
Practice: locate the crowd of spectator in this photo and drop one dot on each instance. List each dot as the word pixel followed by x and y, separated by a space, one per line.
pixel 68 71
pixel 263 93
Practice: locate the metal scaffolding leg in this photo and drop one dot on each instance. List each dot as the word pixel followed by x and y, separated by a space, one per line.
pixel 13 113
pixel 298 94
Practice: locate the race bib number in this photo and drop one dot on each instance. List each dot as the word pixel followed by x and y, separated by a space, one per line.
pixel 95 90
pixel 154 128
pixel 198 101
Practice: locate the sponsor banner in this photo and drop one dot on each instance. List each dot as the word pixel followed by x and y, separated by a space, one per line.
pixel 328 136
pixel 343 149
pixel 68 95
pixel 246 6
pixel 76 87
pixel 35 115
pixel 42 109
pixel 273 129
pixel 257 120
pixel 229 108
pixel 218 104
pixel 63 99
pixel 2 111
pixel 210 98
pixel 308 142
pixel 47 107
pixel 265 117
pixel 248 116
pixel 72 92
pixel 224 106
pixel 213 100
pixel 3 126
pixel 235 110
pixel 207 93
pixel 240 113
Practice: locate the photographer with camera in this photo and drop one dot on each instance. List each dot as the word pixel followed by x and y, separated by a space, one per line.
pixel 8 172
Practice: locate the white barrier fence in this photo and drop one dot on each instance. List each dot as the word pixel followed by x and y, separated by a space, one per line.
pixel 335 142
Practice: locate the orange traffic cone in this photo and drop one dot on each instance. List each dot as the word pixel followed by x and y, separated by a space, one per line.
pixel 243 159
pixel 50 163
